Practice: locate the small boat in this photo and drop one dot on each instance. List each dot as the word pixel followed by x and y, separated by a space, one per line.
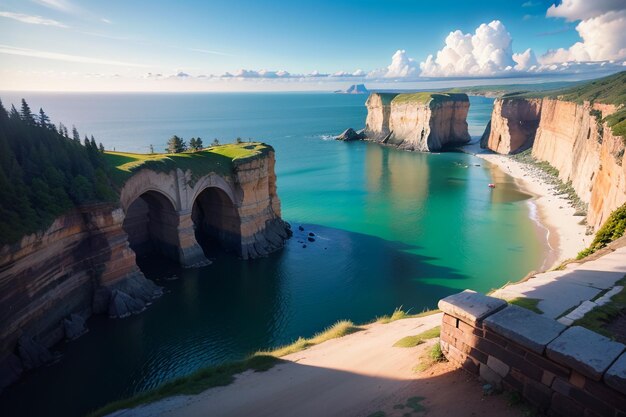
pixel 492 186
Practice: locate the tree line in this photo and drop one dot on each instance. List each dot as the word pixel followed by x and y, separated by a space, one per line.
pixel 45 170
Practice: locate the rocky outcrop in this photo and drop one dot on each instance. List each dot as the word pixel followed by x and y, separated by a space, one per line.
pixel 84 263
pixel 46 278
pixel 354 89
pixel 513 125
pixel 350 134
pixel 572 138
pixel 420 121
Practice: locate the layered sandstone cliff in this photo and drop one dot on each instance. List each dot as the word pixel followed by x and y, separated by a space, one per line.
pixel 84 263
pixel 572 138
pixel 419 121
pixel 80 264
pixel 513 125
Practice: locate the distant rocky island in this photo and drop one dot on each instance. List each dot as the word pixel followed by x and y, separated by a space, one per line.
pixel 354 89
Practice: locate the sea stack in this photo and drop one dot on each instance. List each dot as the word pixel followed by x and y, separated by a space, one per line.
pixel 422 121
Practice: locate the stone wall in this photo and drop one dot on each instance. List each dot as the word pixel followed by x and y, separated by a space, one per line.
pixel 563 371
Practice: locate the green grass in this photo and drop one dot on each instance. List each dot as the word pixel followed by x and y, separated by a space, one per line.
pixel 215 376
pixel 599 317
pixel 428 97
pixel 612 229
pixel 527 303
pixel 412 341
pixel 399 314
pixel 219 159
pixel 433 356
pixel 339 329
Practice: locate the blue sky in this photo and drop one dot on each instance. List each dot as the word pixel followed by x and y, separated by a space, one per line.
pixel 114 45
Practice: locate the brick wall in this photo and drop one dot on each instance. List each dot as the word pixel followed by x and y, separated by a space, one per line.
pixel 563 371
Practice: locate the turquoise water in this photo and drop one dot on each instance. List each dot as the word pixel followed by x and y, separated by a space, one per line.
pixel 393 229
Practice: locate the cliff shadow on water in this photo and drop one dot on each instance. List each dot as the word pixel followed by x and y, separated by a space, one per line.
pixel 230 309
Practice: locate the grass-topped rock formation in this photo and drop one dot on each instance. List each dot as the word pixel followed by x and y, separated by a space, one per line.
pixel 423 121
pixel 74 218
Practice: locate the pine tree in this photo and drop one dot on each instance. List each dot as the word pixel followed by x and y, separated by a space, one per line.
pixel 44 120
pixel 101 147
pixel 86 142
pixel 93 143
pixel 27 115
pixel 151 149
pixel 197 145
pixel 216 142
pixel 75 134
pixel 192 144
pixel 3 112
pixel 175 145
pixel 14 114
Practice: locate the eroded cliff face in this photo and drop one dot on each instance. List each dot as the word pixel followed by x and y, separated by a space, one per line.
pixel 51 281
pixel 513 125
pixel 425 125
pixel 85 262
pixel 571 138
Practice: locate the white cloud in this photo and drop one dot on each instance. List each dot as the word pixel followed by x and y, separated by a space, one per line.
pixel 12 50
pixel 63 5
pixel 34 20
pixel 573 10
pixel 401 67
pixel 487 52
pixel 105 20
pixel 524 61
pixel 602 30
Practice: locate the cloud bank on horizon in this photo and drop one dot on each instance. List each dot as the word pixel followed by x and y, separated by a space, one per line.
pixel 488 52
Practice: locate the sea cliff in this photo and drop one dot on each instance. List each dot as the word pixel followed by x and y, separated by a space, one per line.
pixel 574 138
pixel 419 121
pixel 84 263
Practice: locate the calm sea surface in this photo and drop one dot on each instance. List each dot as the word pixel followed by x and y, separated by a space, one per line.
pixel 393 229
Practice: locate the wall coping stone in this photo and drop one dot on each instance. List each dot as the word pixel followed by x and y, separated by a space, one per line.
pixel 524 327
pixel 588 352
pixel 615 377
pixel 470 306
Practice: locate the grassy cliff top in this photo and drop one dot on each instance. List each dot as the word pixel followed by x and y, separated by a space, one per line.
pixel 219 159
pixel 608 90
pixel 429 97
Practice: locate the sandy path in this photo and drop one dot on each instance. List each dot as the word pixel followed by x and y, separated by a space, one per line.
pixel 566 236
pixel 356 375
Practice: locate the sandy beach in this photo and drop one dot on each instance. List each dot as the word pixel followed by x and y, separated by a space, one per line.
pixel 554 214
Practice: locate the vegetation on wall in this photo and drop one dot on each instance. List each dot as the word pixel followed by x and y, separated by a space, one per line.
pixel 612 229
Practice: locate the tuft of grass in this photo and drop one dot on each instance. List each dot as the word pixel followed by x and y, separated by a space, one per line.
pixel 599 317
pixel 433 356
pixel 527 303
pixel 612 229
pixel 412 341
pixel 337 330
pixel 428 97
pixel 399 314
pixel 221 375
pixel 415 403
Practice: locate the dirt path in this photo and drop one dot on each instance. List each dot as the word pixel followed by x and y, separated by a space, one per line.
pixel 357 375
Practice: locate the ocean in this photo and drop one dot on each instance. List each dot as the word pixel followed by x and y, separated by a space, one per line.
pixel 393 229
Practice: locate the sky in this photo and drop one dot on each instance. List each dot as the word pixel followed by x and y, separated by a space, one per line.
pixel 214 45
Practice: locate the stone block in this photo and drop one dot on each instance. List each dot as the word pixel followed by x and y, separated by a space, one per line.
pixel 498 366
pixel 587 352
pixel 470 306
pixel 489 375
pixel 563 406
pixel 524 327
pixel 537 394
pixel 615 376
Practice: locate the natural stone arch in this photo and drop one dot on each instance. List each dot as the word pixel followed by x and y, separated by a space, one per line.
pixel 216 181
pixel 151 223
pixel 147 180
pixel 216 218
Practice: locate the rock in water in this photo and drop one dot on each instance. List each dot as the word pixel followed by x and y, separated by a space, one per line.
pixel 74 326
pixel 350 134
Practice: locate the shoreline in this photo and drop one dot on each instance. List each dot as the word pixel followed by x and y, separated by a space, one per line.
pixel 553 214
